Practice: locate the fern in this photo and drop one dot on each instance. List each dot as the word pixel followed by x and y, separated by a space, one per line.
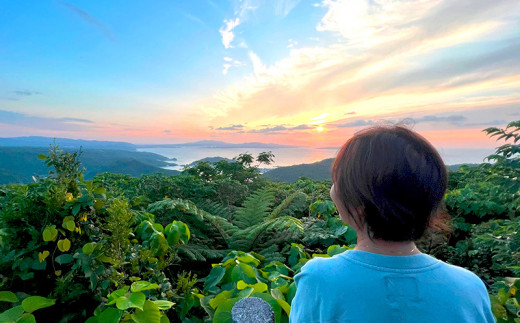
pixel 254 210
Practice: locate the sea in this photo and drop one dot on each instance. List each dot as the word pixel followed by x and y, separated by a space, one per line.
pixel 298 155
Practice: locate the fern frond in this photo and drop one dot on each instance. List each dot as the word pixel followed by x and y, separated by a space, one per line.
pixel 254 210
pixel 286 203
pixel 216 209
pixel 251 235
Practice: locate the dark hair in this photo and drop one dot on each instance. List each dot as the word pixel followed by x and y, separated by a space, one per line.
pixel 397 178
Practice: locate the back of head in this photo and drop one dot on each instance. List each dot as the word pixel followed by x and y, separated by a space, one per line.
pixel 395 176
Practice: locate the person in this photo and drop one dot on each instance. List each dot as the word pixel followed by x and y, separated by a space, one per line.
pixel 388 184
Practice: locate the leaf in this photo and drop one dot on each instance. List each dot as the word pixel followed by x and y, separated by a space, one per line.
pixel 64 259
pixel 98 204
pixel 50 233
pixel 42 255
pixel 110 315
pixel 220 298
pixel 88 248
pixel 100 190
pixel 215 276
pixel 285 306
pixel 42 157
pixel 164 304
pixel 141 285
pixel 7 296
pixel 149 314
pixel 112 297
pixel 134 300
pixel 75 208
pixel 27 318
pixel 69 225
pixel 12 314
pixel 164 318
pixel 64 245
pixel 223 312
pixel 177 232
pixel 243 272
pixel 33 303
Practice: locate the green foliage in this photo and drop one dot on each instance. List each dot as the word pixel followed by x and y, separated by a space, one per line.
pixel 506 302
pixel 130 304
pixel 22 309
pixel 144 241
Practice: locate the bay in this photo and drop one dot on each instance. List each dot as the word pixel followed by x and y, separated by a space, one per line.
pixel 298 155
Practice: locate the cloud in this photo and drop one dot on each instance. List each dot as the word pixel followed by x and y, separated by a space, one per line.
pixel 232 127
pixel 88 18
pixel 455 119
pixel 353 124
pixel 75 120
pixel 227 31
pixel 231 63
pixel 402 59
pixel 284 7
pixel 280 129
pixel 46 123
pixel 167 132
pixel 26 93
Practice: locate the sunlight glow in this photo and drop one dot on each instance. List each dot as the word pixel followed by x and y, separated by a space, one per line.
pixel 319 128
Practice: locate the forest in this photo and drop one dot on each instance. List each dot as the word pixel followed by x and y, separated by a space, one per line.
pixel 187 247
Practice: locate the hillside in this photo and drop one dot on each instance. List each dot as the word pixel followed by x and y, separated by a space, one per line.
pixel 316 171
pixel 19 164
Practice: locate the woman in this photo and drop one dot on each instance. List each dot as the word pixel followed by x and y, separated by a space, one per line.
pixel 388 184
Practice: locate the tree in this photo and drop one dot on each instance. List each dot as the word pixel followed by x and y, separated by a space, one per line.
pixel 265 158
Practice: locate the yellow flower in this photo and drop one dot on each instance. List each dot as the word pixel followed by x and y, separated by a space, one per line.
pixel 83 217
pixel 68 197
pixel 78 230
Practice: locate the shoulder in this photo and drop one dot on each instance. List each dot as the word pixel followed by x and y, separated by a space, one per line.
pixel 462 277
pixel 319 264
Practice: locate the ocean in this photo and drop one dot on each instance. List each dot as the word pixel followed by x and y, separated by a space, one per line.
pixel 299 155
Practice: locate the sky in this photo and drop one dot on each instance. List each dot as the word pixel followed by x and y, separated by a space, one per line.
pixel 294 72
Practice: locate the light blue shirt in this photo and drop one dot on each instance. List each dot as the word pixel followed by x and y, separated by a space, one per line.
pixel 359 286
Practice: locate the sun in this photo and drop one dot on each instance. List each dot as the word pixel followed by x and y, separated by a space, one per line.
pixel 319 128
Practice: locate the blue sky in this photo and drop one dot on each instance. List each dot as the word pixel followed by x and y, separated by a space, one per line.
pixel 287 71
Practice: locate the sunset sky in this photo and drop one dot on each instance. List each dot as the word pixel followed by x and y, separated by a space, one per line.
pixel 280 71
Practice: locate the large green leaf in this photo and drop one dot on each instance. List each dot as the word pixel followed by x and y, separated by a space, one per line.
pixel 110 315
pixel 221 297
pixel 149 314
pixel 7 296
pixel 134 300
pixel 223 312
pixel 27 318
pixel 177 232
pixel 12 314
pixel 214 277
pixel 243 272
pixel 141 285
pixel 163 304
pixel 33 303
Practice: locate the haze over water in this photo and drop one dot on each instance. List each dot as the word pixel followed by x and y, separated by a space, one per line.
pixel 299 155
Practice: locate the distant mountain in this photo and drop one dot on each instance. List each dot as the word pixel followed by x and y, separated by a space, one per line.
pixel 216 144
pixel 318 171
pixel 19 164
pixel 64 143
pixel 34 141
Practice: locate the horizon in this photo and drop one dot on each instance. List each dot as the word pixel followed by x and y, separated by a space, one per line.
pixel 286 72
